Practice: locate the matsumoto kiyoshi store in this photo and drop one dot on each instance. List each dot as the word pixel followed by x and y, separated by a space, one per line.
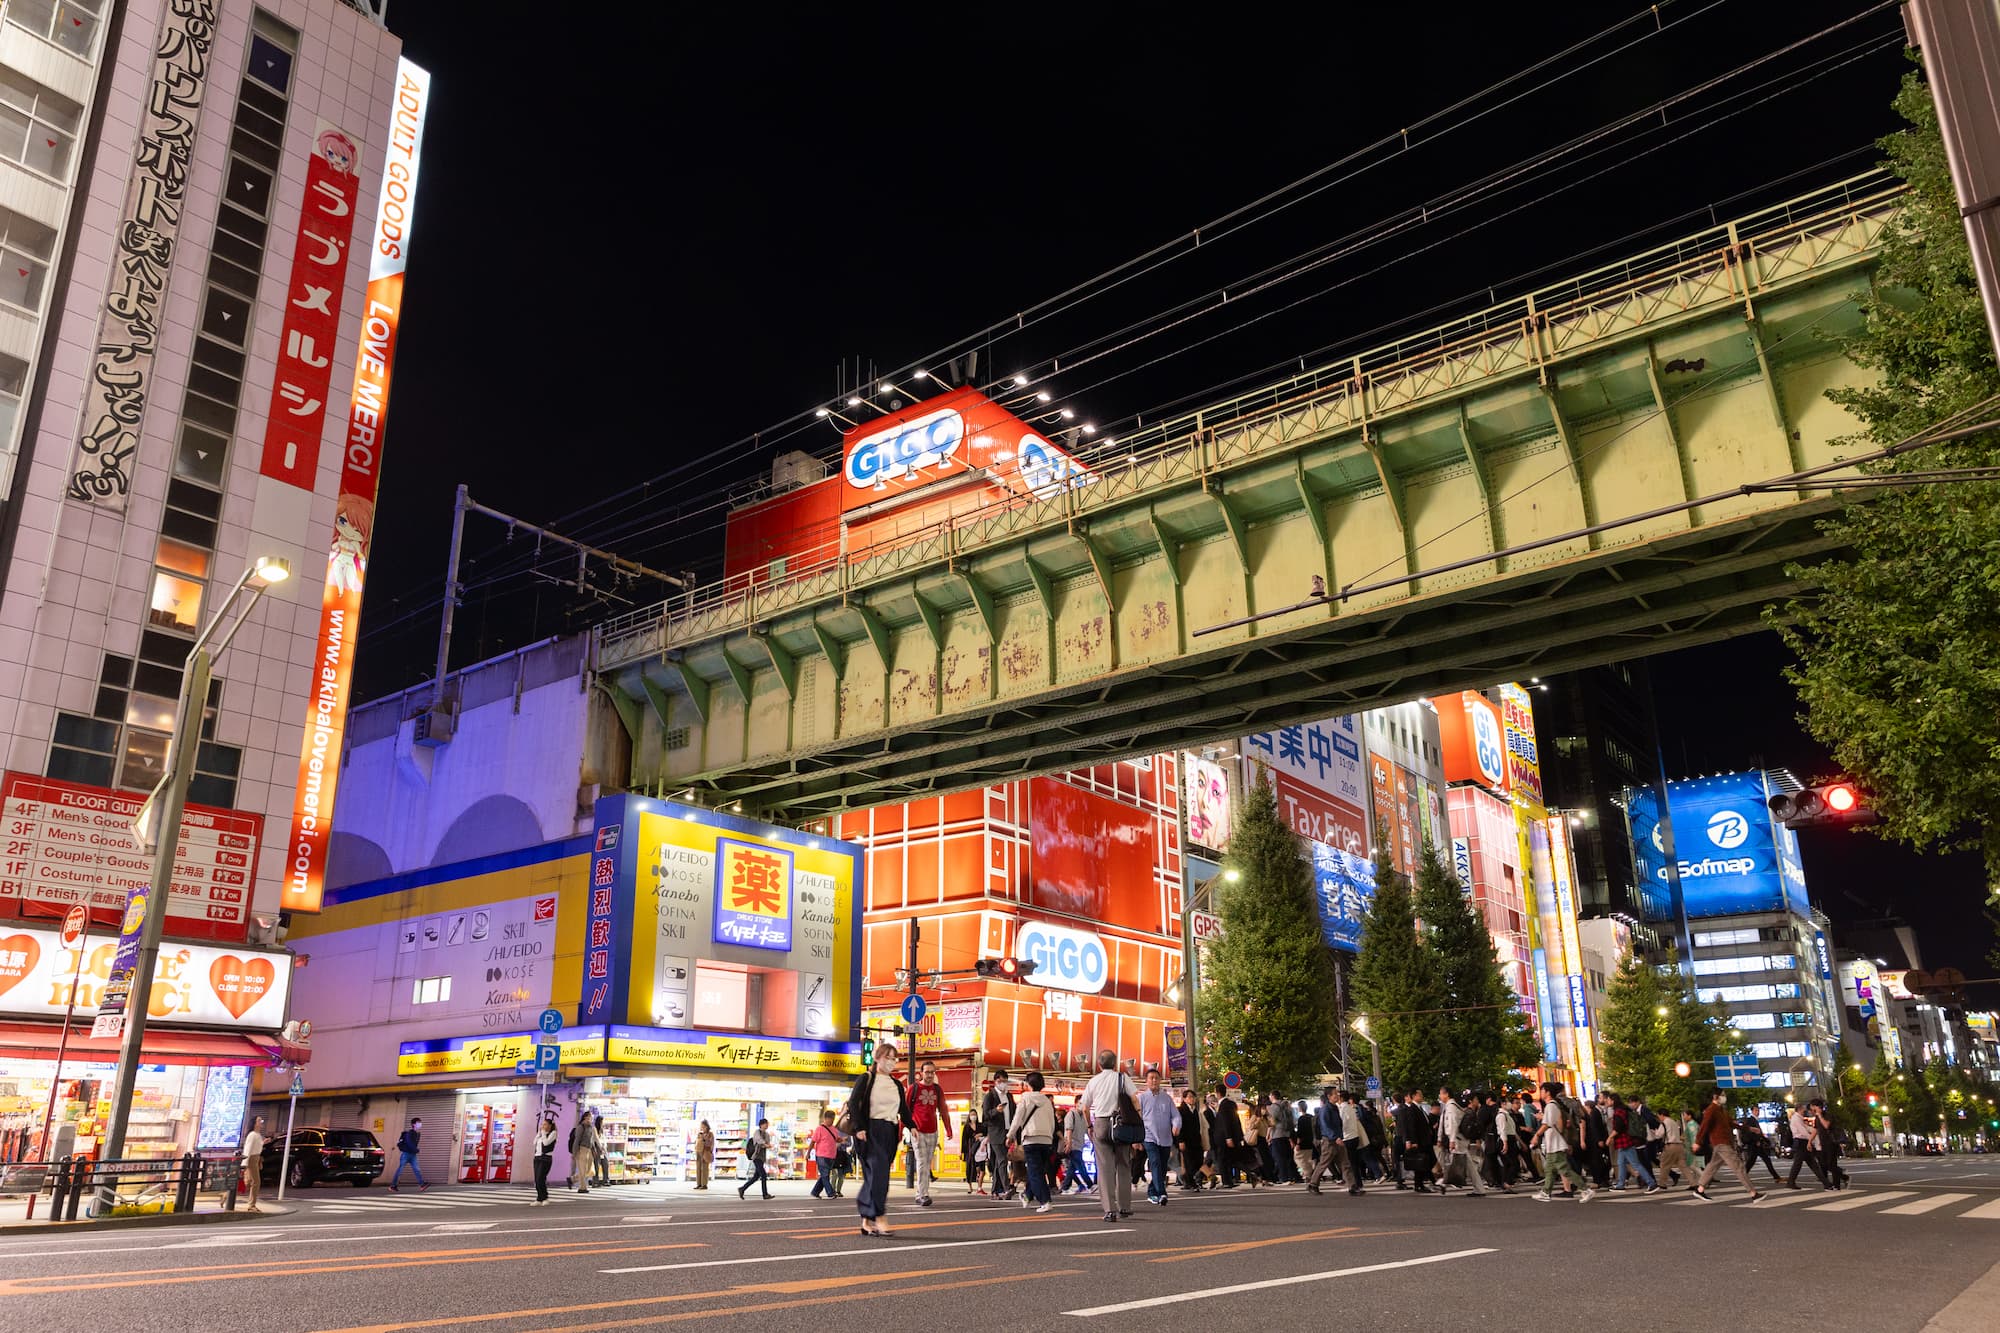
pixel 705 967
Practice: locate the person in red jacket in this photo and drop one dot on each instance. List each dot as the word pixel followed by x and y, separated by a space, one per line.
pixel 929 1116
pixel 1718 1135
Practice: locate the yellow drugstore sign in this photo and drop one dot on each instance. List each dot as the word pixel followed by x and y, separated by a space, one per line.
pixel 464 1055
pixel 764 1055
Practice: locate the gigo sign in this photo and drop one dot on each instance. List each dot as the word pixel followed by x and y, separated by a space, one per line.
pixel 1064 958
pixel 931 440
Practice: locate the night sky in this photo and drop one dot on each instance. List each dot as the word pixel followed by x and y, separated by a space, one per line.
pixel 638 268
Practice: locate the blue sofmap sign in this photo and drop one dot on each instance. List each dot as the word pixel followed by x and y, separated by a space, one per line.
pixel 1345 886
pixel 1732 857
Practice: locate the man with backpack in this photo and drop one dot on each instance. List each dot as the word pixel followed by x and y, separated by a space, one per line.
pixel 1468 1141
pixel 584 1146
pixel 406 1144
pixel 996 1112
pixel 1561 1117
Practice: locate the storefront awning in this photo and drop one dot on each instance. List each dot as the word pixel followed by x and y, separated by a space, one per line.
pixel 38 1041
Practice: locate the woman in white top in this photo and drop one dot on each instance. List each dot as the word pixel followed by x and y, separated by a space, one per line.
pixel 879 1109
pixel 545 1156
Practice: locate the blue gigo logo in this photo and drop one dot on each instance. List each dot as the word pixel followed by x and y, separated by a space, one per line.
pixel 1727 829
pixel 1486 745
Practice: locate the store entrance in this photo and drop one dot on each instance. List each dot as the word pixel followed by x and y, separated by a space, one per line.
pixel 650 1124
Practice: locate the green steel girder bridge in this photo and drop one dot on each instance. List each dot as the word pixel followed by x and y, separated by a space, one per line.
pixel 1552 483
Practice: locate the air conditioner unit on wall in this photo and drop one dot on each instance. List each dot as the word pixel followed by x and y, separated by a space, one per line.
pixel 435 726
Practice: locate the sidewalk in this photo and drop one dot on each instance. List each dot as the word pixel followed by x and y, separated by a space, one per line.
pixel 14 1219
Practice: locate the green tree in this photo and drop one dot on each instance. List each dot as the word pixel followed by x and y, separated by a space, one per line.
pixel 1896 669
pixel 1399 986
pixel 1848 1095
pixel 1267 1004
pixel 1634 1052
pixel 1656 1020
pixel 1482 1031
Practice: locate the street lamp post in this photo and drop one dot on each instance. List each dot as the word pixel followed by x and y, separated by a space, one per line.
pixel 1190 976
pixel 162 815
pixel 1374 1047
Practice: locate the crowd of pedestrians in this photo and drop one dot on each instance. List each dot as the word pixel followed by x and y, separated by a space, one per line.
pixel 1023 1146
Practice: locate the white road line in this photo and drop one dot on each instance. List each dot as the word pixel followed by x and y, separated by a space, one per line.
pixel 396 1231
pixel 1780 1198
pixel 461 1228
pixel 1924 1205
pixel 890 1249
pixel 1207 1293
pixel 1860 1201
pixel 1984 1210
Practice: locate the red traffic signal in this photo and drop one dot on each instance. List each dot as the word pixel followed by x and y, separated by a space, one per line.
pixel 1004 969
pixel 1829 803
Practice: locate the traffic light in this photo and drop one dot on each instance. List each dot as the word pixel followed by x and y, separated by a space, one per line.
pixel 1830 803
pixel 867 1050
pixel 1004 969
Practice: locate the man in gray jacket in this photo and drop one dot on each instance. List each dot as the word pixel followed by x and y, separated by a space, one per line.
pixel 1283 1123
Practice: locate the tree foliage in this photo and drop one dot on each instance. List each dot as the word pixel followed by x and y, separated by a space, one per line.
pixel 1267 1003
pixel 1896 669
pixel 1399 985
pixel 1484 1035
pixel 1653 1021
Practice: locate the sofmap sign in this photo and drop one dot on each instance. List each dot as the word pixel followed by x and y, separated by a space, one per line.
pixel 1069 959
pixel 1731 857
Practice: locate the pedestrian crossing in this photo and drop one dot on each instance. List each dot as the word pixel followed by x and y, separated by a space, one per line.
pixel 1878 1202
pixel 443 1200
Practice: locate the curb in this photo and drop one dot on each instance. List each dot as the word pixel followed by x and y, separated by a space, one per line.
pixel 46 1228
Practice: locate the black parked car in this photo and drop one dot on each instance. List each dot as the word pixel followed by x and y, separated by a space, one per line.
pixel 320 1154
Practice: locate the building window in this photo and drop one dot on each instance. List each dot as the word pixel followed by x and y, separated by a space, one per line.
pixel 70 24
pixel 13 379
pixel 37 127
pixel 431 990
pixel 84 750
pixel 180 576
pixel 26 247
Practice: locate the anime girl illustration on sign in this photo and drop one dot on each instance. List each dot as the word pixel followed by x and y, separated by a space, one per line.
pixel 338 150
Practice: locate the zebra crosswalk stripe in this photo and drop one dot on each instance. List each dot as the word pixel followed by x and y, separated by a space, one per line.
pixel 1921 1206
pixel 1859 1201
pixel 1984 1210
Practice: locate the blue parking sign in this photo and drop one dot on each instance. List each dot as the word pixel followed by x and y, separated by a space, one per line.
pixel 548 1056
pixel 551 1021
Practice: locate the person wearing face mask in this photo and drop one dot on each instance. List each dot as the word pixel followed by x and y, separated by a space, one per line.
pixel 545 1157
pixel 879 1109
pixel 996 1111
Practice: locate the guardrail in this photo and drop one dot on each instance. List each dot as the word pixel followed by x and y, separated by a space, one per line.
pixel 140 1185
pixel 1730 262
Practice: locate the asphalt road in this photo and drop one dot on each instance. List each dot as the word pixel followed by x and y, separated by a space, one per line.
pixel 1886 1256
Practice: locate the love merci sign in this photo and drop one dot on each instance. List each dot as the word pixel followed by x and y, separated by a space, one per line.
pixel 195 984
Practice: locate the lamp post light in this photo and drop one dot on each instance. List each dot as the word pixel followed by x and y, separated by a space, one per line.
pixel 159 821
pixel 1375 1047
pixel 1182 990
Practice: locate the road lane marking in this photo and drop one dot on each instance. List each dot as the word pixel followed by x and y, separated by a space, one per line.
pixel 414 1229
pixel 1152 1302
pixel 1984 1210
pixel 1177 1253
pixel 874 1249
pixel 1922 1206
pixel 729 1311
pixel 773 1288
pixel 1859 1201
pixel 931 1225
pixel 263 1270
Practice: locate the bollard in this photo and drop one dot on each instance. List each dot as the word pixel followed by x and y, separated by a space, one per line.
pixel 229 1183
pixel 184 1183
pixel 61 1190
pixel 79 1179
